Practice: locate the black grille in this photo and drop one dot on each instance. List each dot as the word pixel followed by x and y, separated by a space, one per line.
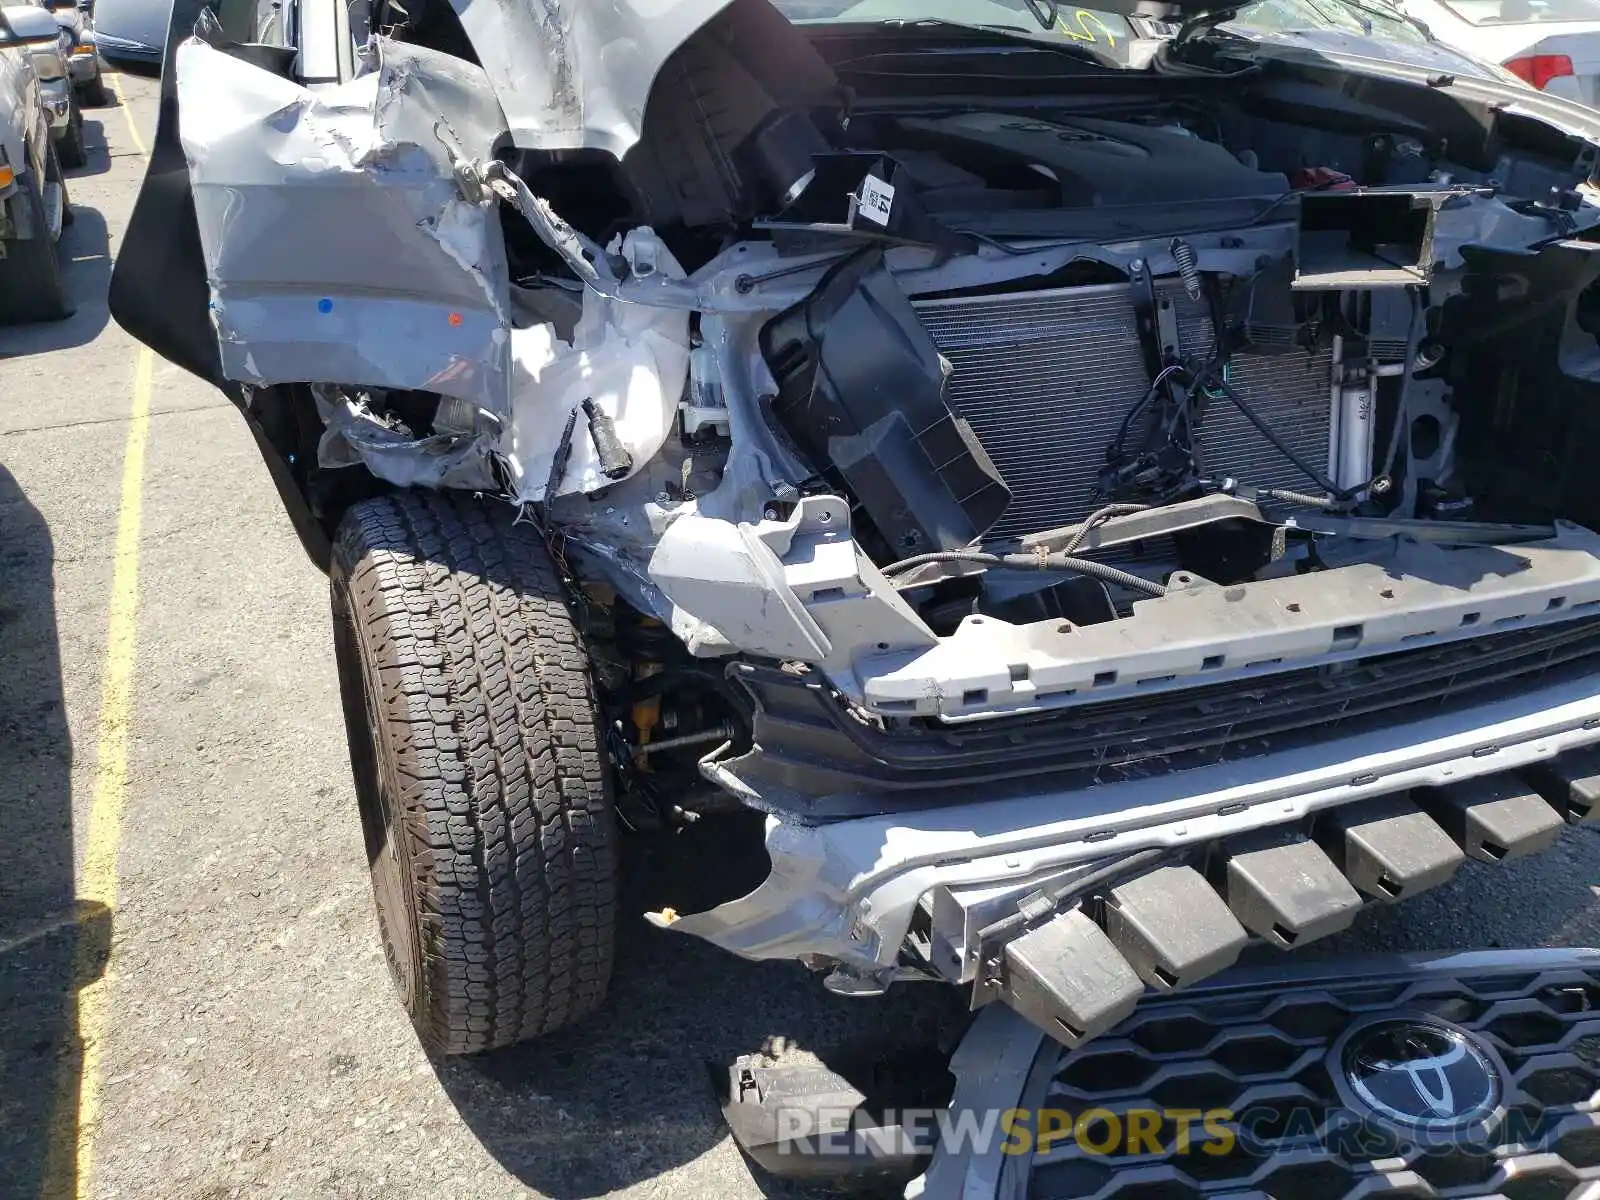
pixel 810 745
pixel 1263 1052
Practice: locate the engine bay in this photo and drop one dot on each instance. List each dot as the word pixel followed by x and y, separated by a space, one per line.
pixel 1165 360
pixel 965 477
pixel 970 379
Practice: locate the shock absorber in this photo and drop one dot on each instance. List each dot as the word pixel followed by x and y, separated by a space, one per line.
pixel 646 642
pixel 1188 268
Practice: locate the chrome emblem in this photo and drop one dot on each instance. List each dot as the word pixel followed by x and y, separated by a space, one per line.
pixel 1421 1073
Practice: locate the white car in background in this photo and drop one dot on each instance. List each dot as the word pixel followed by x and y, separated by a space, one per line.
pixel 1553 45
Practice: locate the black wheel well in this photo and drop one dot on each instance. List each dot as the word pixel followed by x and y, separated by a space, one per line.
pixel 284 421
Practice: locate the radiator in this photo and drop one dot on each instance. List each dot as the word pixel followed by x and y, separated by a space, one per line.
pixel 1045 379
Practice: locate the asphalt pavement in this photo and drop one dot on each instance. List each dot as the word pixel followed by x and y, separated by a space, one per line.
pixel 193 1002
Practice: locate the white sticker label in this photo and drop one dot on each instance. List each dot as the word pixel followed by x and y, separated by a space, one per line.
pixel 877 198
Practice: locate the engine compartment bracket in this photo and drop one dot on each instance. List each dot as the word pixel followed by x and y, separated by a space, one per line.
pixel 1067 977
pixel 1445 533
pixel 1152 523
pixel 1173 927
pixel 1123 530
pixel 1285 889
pixel 1571 783
pixel 1407 593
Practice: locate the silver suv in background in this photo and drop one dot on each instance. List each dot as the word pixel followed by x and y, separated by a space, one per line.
pixel 83 57
pixel 52 63
pixel 33 194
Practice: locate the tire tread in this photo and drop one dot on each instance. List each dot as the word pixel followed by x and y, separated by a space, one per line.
pixel 490 715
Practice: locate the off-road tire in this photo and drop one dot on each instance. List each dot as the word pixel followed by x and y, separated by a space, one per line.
pixel 93 94
pixel 473 734
pixel 31 287
pixel 70 149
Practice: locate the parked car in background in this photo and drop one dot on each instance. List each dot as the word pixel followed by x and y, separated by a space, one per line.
pixel 83 59
pixel 1553 45
pixel 51 56
pixel 33 195
pixel 132 30
pixel 1358 29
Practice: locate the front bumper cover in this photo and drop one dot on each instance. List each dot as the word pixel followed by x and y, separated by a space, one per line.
pixel 848 890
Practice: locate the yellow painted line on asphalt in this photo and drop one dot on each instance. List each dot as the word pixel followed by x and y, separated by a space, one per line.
pixel 78 1090
pixel 77 1108
pixel 122 103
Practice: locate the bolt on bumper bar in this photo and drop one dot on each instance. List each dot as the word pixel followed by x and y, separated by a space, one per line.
pixel 848 890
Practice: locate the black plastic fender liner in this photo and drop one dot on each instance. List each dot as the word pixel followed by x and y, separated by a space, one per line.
pixel 1507 288
pixel 158 285
pixel 159 292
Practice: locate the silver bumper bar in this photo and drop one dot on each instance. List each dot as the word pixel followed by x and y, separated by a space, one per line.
pixel 848 890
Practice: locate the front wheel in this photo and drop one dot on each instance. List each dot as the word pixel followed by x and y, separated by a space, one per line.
pixel 93 94
pixel 485 801
pixel 70 147
pixel 31 286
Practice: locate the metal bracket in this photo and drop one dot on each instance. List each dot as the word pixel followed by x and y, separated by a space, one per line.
pixel 1444 533
pixel 1154 522
pixel 1151 337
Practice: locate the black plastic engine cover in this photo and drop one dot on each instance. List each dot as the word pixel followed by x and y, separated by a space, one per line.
pixel 861 393
pixel 1099 162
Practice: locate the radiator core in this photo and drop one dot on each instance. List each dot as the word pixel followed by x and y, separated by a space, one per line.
pixel 1046 377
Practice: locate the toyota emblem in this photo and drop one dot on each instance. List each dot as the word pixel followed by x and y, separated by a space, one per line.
pixel 1420 1072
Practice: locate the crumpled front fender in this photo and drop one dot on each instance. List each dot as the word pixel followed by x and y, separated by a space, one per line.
pixel 337 242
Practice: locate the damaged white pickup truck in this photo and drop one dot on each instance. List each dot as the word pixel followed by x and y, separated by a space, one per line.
pixel 1081 504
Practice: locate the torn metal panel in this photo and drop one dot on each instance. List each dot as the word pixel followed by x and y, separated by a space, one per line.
pixel 577 75
pixel 631 360
pixel 337 242
pixel 456 455
pixel 493 177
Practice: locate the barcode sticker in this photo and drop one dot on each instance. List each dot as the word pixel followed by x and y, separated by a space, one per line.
pixel 877 198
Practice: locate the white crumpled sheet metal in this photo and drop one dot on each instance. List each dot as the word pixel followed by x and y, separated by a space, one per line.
pixel 572 73
pixel 337 245
pixel 631 359
pixel 341 250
